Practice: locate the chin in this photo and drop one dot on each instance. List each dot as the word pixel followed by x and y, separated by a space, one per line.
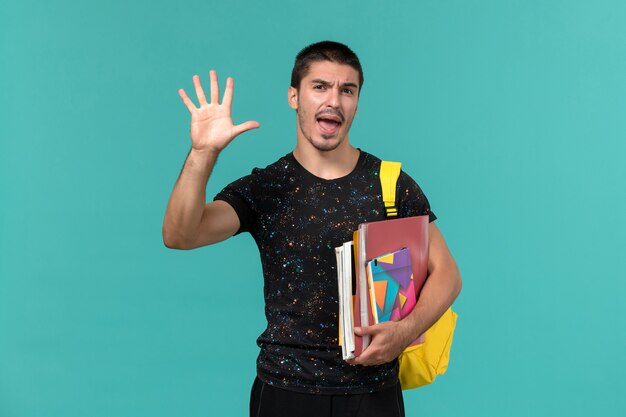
pixel 325 145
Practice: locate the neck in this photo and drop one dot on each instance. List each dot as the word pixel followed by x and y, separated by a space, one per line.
pixel 328 165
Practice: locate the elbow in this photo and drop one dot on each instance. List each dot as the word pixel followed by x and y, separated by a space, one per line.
pixel 458 282
pixel 451 276
pixel 170 243
pixel 174 241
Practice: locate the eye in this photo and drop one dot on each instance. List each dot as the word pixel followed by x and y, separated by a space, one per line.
pixel 319 87
pixel 348 91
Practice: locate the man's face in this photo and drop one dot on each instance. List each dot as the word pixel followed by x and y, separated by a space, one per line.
pixel 325 103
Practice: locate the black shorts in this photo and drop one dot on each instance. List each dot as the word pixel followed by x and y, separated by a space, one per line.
pixel 269 401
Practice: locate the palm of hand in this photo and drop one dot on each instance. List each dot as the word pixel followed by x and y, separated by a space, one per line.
pixel 212 127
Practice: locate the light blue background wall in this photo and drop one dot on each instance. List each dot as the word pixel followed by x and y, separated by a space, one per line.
pixel 510 114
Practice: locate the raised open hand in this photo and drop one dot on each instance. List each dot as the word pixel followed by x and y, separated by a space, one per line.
pixel 212 127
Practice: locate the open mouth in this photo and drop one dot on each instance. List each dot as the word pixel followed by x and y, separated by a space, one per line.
pixel 329 123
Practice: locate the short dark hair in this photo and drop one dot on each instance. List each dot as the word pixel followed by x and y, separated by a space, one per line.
pixel 324 51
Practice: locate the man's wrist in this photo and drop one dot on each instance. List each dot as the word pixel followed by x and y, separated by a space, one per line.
pixel 204 153
pixel 410 328
pixel 202 158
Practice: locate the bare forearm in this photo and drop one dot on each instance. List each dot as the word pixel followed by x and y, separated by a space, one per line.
pixel 439 292
pixel 187 201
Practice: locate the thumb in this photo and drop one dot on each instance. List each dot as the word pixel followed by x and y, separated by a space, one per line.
pixel 362 331
pixel 239 129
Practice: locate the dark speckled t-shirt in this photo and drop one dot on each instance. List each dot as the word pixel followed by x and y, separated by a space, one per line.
pixel 297 220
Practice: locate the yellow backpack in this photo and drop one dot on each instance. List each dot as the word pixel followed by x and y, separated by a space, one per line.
pixel 419 364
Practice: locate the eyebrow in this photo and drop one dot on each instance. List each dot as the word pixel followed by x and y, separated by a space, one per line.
pixel 324 82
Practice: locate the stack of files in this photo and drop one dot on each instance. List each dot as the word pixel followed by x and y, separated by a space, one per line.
pixel 402 241
pixel 345 279
pixel 391 286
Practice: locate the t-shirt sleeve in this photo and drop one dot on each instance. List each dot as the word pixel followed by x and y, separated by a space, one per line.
pixel 412 201
pixel 239 194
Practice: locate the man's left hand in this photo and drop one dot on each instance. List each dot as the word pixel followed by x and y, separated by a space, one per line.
pixel 389 339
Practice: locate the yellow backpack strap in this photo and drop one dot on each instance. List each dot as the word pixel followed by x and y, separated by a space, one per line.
pixel 389 173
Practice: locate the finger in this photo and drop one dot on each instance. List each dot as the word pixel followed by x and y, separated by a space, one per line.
pixel 363 331
pixel 215 88
pixel 355 361
pixel 370 360
pixel 227 100
pixel 190 106
pixel 199 90
pixel 362 359
pixel 244 127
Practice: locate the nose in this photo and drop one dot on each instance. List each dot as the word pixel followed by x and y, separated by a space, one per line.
pixel 333 97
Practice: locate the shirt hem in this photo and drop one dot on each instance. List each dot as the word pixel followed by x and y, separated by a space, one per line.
pixel 326 390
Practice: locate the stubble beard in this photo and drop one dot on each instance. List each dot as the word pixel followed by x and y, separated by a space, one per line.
pixel 327 145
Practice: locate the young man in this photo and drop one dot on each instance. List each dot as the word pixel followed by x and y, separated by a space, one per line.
pixel 298 210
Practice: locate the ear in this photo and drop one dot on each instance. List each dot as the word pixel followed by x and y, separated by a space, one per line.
pixel 292 98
